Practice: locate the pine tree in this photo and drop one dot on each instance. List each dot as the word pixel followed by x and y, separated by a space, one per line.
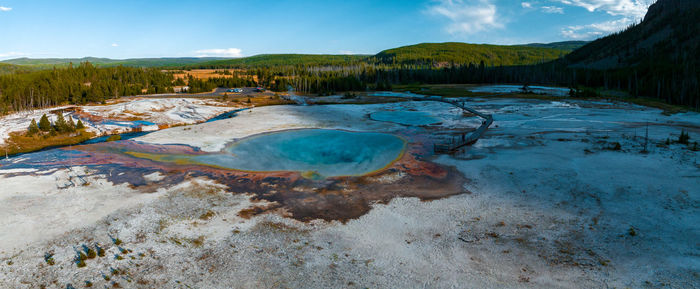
pixel 61 124
pixel 80 125
pixel 71 124
pixel 44 123
pixel 33 128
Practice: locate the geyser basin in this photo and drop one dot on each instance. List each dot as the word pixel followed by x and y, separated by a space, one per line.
pixel 313 152
pixel 405 117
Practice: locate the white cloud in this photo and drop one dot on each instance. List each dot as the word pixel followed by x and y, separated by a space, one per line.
pixel 225 52
pixel 5 9
pixel 467 16
pixel 628 8
pixel 630 12
pixel 347 52
pixel 526 4
pixel 115 45
pixel 11 54
pixel 596 30
pixel 552 10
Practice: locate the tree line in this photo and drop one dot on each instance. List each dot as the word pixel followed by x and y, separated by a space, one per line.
pixel 77 85
pixel 675 81
pixel 60 126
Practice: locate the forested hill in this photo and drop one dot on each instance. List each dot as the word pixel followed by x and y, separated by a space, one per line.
pixel 431 54
pixel 39 63
pixel 670 32
pixel 567 46
pixel 79 84
pixel 659 57
pixel 270 60
pixel 465 53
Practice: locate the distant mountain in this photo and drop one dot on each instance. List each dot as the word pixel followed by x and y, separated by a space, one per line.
pixel 565 45
pixel 425 53
pixel 286 59
pixel 464 53
pixel 106 62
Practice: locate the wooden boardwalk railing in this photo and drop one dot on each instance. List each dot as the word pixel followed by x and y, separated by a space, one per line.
pixel 453 146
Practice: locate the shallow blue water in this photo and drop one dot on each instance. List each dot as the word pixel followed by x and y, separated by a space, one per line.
pixel 226 115
pixel 124 136
pixel 325 153
pixel 545 90
pixel 405 117
pixel 136 123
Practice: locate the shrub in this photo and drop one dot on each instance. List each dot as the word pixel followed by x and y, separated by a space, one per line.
pixel 115 137
pixel 349 95
pixel 91 254
pixel 48 257
pixel 615 146
pixel 116 241
pixel 100 251
pixel 80 259
pixel 683 138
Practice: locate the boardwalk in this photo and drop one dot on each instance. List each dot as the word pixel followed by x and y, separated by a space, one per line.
pixel 466 139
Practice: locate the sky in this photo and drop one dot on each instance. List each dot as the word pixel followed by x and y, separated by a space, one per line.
pixel 237 28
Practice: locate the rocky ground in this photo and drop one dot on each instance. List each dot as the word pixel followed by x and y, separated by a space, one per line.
pixel 556 195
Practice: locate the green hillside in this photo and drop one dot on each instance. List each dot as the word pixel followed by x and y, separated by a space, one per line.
pixel 465 53
pixel 423 54
pixel 286 59
pixel 659 57
pixel 668 35
pixel 565 45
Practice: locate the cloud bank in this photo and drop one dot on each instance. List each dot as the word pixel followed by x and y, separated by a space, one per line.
pixel 467 16
pixel 629 12
pixel 596 30
pixel 219 52
pixel 11 54
pixel 628 8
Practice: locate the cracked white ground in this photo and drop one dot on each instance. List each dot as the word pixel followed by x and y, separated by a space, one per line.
pixel 553 204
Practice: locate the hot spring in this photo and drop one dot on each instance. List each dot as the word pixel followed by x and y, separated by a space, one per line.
pixel 313 152
pixel 405 117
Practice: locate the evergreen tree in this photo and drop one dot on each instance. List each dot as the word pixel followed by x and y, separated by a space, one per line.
pixel 44 123
pixel 80 125
pixel 71 124
pixel 61 124
pixel 33 128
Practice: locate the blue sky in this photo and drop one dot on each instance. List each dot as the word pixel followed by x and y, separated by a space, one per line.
pixel 177 28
